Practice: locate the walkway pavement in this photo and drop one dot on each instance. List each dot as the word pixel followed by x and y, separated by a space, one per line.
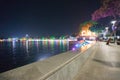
pixel 103 64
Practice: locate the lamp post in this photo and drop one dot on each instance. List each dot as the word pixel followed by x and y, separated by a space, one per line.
pixel 105 33
pixel 114 28
pixel 113 22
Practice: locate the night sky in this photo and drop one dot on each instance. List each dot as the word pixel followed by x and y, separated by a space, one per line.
pixel 44 17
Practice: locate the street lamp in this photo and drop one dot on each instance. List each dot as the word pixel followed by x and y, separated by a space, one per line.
pixel 105 32
pixel 113 22
pixel 114 28
pixel 113 25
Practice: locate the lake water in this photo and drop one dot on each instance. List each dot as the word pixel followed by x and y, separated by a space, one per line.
pixel 15 54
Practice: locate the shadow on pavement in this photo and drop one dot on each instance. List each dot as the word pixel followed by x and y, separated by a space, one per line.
pixel 108 63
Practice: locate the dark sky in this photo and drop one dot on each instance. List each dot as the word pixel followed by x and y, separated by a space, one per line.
pixel 44 17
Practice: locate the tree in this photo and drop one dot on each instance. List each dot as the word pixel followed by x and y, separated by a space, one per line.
pixel 87 24
pixel 97 28
pixel 108 8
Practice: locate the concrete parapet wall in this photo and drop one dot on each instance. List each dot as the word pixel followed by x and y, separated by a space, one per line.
pixel 60 67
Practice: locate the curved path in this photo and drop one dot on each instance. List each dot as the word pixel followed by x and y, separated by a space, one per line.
pixel 103 64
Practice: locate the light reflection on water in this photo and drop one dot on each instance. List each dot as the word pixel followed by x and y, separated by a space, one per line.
pixel 14 54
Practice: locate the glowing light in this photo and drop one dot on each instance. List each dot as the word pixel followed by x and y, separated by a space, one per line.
pixel 9 39
pixel 113 22
pixel 73 49
pixel 43 38
pixel 89 33
pixel 1 40
pixel 85 29
pixel 118 37
pixel 83 33
pixel 52 37
pixel 77 45
pixel 23 39
pixel 26 35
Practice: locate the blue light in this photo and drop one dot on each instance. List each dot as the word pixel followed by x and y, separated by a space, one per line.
pixel 77 45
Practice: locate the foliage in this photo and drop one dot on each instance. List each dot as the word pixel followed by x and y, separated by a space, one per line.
pixel 87 24
pixel 97 28
pixel 62 37
pixel 108 8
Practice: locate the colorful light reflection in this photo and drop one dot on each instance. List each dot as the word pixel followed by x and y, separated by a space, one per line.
pixel 80 45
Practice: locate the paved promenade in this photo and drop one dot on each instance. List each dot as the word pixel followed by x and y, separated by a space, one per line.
pixel 103 64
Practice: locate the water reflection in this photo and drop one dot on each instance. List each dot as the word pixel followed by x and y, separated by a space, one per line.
pixel 14 54
pixel 13 51
pixel 37 45
pixel 27 48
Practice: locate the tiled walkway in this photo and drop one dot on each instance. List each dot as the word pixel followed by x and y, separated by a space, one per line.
pixel 103 64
